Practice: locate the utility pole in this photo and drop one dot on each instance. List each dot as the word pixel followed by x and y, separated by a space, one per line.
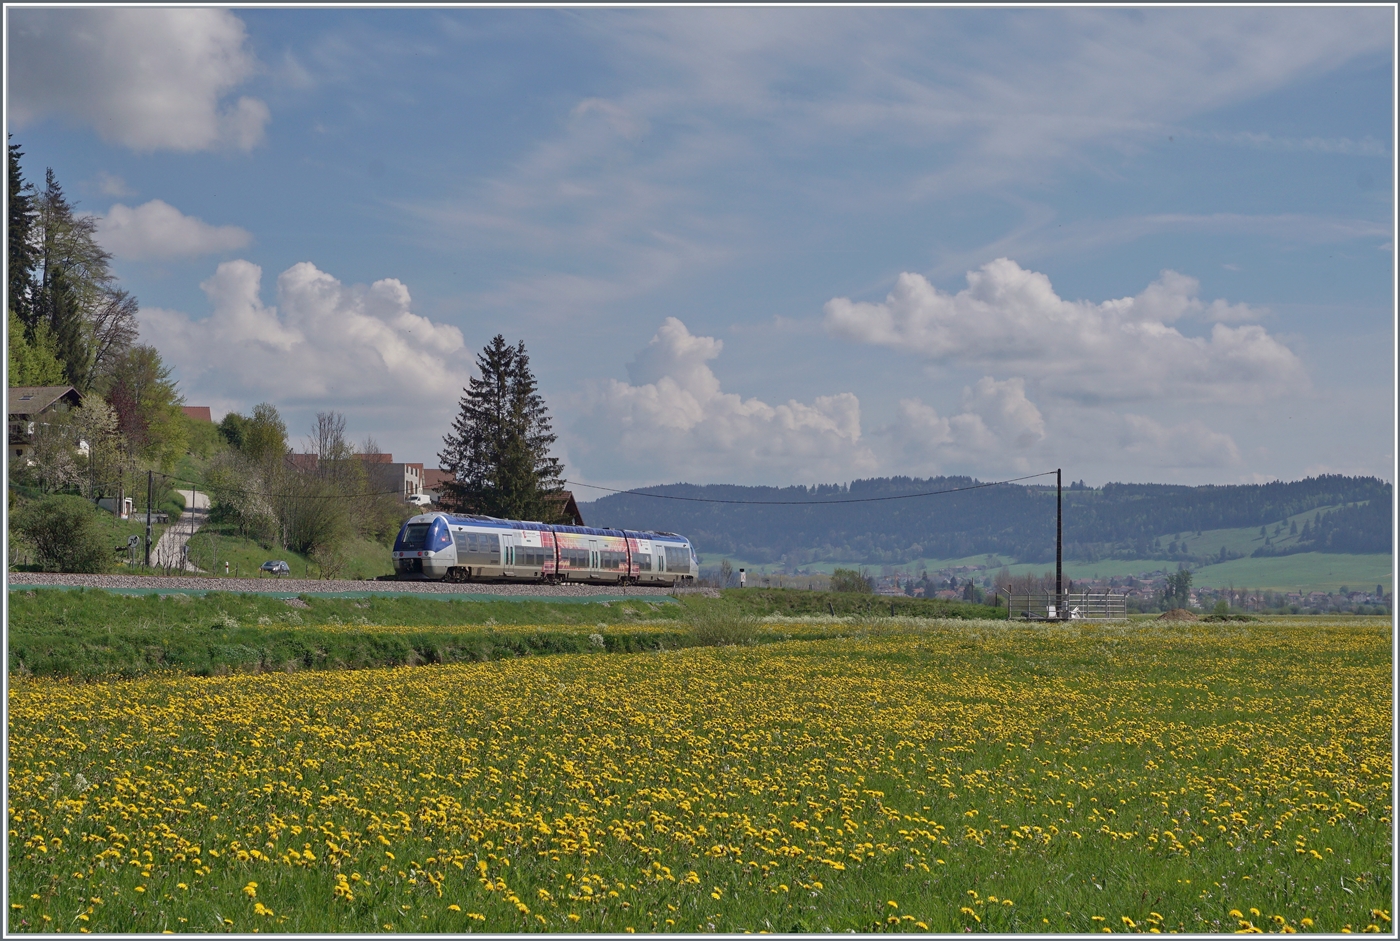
pixel 150 488
pixel 1059 549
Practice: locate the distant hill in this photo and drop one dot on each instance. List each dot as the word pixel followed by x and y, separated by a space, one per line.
pixel 1126 521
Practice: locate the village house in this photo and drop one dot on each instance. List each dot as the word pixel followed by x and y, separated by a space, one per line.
pixel 28 406
pixel 385 475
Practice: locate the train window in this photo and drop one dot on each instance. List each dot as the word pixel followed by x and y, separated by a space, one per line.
pixel 484 547
pixel 643 561
pixel 677 559
pixel 414 536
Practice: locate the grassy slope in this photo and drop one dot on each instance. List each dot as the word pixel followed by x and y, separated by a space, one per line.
pixel 95 633
pixel 1306 571
pixel 218 543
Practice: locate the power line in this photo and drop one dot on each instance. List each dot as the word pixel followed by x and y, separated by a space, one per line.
pixel 277 496
pixel 901 496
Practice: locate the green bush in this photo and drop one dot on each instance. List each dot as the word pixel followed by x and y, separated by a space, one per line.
pixel 65 534
pixel 171 503
pixel 850 580
pixel 716 627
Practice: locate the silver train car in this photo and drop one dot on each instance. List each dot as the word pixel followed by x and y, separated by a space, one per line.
pixel 444 547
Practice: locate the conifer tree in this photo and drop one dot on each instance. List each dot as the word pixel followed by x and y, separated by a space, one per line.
pixel 498 449
pixel 64 240
pixel 19 241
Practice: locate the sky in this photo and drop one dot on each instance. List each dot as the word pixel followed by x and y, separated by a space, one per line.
pixel 757 246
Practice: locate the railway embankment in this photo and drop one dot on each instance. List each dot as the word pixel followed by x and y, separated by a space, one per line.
pixel 195 584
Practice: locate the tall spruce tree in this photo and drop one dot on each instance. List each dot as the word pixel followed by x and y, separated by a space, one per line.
pixel 58 303
pixel 19 241
pixel 32 357
pixel 498 450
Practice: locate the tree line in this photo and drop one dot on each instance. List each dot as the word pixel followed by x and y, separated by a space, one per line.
pixel 70 322
pixel 1129 521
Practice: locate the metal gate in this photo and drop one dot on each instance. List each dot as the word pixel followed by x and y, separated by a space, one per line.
pixel 1077 606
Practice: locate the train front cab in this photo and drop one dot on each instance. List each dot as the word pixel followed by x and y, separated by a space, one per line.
pixel 424 548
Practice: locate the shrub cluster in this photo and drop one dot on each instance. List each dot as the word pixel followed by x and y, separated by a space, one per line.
pixel 65 534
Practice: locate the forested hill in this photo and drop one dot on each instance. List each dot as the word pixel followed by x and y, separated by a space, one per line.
pixel 1116 521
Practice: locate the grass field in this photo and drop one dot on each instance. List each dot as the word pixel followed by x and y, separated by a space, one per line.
pixel 1305 571
pixel 909 776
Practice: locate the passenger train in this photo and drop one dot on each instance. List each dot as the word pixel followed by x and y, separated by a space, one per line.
pixel 441 546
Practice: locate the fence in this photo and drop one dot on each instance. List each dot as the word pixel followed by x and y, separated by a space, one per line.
pixel 1079 606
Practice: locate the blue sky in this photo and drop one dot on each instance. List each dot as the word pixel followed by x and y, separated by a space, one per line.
pixel 758 246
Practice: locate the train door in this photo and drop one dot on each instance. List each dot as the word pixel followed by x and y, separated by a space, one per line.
pixel 594 560
pixel 508 541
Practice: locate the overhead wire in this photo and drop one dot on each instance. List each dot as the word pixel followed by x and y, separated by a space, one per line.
pixel 900 496
pixel 639 493
pixel 258 493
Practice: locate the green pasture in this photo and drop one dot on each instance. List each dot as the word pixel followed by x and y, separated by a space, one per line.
pixel 1303 571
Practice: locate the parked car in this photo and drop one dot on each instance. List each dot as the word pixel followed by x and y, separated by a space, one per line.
pixel 276 568
pixel 419 499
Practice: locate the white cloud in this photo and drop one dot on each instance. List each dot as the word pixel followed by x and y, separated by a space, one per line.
pixel 1185 445
pixel 150 79
pixel 158 230
pixel 998 428
pixel 674 419
pixel 1010 320
pixel 325 345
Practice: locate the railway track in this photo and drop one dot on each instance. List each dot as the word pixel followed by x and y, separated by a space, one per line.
pixel 194 584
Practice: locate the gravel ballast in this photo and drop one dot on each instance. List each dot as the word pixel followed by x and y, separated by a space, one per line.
pixel 313 586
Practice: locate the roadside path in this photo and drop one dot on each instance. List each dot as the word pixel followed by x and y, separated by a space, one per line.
pixel 172 550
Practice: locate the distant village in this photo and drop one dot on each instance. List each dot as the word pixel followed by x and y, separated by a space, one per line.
pixel 978 583
pixel 1145 590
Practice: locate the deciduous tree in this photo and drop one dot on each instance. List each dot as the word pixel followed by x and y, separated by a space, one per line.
pixel 140 389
